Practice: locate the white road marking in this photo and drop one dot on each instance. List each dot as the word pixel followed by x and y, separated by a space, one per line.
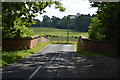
pixel 34 73
pixel 53 49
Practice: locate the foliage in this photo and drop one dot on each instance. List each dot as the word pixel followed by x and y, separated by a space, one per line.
pixel 108 15
pixel 11 56
pixel 79 22
pixel 19 30
pixel 46 21
pixel 38 22
pixel 95 30
pixel 26 11
pixel 82 22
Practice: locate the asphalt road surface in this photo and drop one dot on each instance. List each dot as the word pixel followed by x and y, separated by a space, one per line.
pixel 61 61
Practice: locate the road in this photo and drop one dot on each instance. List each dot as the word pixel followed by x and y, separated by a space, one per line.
pixel 61 61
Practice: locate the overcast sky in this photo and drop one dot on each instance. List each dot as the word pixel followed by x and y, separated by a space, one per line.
pixel 72 8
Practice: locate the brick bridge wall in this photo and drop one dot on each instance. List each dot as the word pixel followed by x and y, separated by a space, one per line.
pixel 95 46
pixel 22 43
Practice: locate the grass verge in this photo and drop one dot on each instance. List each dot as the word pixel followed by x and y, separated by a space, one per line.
pixel 63 42
pixel 88 53
pixel 12 56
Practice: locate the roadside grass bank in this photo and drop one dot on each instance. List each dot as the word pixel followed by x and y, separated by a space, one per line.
pixel 12 56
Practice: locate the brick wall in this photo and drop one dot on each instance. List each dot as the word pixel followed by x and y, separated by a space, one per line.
pixel 22 43
pixel 95 46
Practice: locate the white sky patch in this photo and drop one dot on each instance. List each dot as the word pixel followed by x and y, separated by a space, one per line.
pixel 72 8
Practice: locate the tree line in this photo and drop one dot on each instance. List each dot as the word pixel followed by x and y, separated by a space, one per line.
pixel 79 22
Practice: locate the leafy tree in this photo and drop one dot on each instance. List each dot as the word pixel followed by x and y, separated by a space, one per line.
pixel 46 21
pixel 95 29
pixel 63 23
pixel 108 15
pixel 82 22
pixel 71 21
pixel 23 11
pixel 66 21
pixel 38 23
pixel 54 21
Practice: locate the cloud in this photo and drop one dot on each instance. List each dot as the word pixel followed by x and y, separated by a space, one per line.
pixel 72 7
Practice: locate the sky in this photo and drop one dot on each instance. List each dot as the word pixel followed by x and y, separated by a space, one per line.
pixel 72 8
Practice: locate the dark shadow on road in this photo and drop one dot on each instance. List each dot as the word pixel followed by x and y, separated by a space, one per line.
pixel 62 65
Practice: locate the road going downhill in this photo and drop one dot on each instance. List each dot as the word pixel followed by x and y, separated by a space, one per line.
pixel 61 61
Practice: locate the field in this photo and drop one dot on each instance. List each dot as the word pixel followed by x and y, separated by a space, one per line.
pixel 58 34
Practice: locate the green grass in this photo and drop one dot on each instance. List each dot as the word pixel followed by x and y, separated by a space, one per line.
pixel 88 53
pixel 12 56
pixel 62 33
pixel 63 42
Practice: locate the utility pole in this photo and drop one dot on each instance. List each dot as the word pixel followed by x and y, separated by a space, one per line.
pixel 68 31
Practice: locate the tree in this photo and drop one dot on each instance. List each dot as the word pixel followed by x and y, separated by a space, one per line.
pixel 108 15
pixel 54 21
pixel 46 21
pixel 24 12
pixel 71 21
pixel 82 22
pixel 63 23
pixel 38 23
pixel 95 29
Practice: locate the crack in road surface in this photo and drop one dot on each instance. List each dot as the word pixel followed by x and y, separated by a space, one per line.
pixel 61 61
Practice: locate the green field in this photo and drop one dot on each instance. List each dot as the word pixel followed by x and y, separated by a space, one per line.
pixel 61 33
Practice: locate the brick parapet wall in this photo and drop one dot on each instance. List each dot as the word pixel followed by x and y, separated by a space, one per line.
pixel 22 43
pixel 95 46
